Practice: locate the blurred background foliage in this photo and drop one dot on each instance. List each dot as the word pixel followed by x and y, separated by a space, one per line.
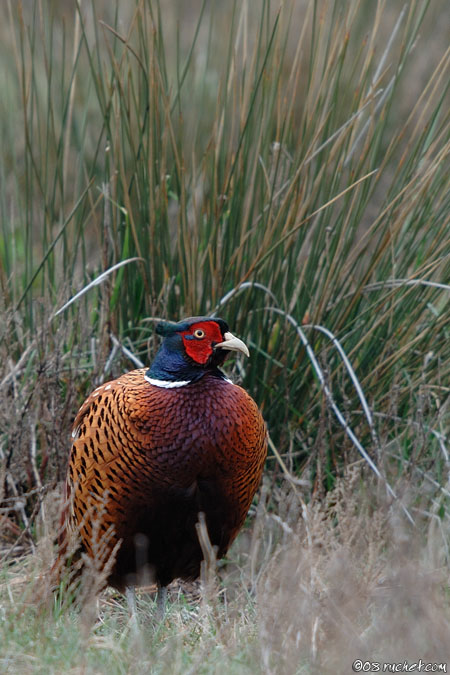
pixel 252 156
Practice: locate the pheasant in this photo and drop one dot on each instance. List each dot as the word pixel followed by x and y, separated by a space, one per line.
pixel 155 448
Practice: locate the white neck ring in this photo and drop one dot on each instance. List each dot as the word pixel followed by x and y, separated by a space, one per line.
pixel 167 384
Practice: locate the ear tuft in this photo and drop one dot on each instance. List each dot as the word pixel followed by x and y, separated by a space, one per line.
pixel 165 328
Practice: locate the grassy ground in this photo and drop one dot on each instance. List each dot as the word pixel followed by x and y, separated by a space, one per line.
pixel 309 589
pixel 285 167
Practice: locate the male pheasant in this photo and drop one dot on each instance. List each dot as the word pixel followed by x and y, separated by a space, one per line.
pixel 154 448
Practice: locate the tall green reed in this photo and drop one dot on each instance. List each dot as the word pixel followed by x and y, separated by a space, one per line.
pixel 247 143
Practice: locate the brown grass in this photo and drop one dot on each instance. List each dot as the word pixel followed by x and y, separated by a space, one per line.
pixel 306 588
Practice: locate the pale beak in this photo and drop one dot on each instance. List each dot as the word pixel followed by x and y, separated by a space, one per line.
pixel 234 344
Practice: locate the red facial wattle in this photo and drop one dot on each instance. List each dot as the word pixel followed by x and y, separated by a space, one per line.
pixel 201 348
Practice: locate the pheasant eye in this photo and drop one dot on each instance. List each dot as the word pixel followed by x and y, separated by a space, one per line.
pixel 199 333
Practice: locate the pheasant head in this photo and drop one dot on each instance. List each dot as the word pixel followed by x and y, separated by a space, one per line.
pixel 191 349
